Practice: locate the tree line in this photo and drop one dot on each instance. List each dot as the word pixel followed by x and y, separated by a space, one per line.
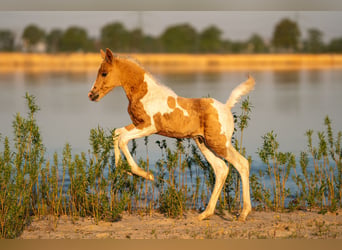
pixel 179 38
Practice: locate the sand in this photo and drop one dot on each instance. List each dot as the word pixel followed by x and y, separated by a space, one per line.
pixel 259 225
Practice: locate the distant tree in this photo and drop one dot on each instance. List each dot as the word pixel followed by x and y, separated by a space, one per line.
pixel 115 36
pixel 256 44
pixel 136 40
pixel 75 39
pixel 179 39
pixel 92 45
pixel 335 45
pixel 54 39
pixel 286 35
pixel 151 44
pixel 210 40
pixel 239 47
pixel 6 40
pixel 226 46
pixel 32 35
pixel 314 43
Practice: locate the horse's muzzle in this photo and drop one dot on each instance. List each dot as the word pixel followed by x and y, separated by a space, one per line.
pixel 93 96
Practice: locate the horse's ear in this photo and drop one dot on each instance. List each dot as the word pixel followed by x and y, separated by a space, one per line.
pixel 103 54
pixel 109 56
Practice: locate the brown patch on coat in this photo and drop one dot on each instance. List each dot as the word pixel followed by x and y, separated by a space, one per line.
pixel 129 127
pixel 203 120
pixel 210 123
pixel 176 125
pixel 214 139
pixel 171 102
pixel 132 80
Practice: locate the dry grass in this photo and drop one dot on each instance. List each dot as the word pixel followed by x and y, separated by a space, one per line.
pixel 80 62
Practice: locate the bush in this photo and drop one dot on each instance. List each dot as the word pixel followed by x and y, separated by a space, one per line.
pixel 172 202
pixel 19 170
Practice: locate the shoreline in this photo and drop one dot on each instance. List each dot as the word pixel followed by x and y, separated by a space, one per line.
pixel 259 225
pixel 169 63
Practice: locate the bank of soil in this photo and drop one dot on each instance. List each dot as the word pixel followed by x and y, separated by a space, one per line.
pixel 82 62
pixel 259 225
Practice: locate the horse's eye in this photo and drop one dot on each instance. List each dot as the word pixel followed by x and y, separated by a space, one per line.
pixel 104 74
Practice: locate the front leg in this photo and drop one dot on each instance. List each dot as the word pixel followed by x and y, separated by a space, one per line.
pixel 116 137
pixel 122 137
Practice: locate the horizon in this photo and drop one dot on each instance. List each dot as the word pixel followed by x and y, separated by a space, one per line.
pixel 245 23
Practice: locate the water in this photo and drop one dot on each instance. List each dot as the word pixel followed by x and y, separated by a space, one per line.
pixel 287 102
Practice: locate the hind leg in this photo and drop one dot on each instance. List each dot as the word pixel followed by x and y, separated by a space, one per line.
pixel 221 172
pixel 242 166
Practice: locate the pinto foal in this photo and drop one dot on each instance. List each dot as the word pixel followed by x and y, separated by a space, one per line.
pixel 156 109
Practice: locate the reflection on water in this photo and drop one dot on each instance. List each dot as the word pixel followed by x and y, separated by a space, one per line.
pixel 178 80
pixel 72 77
pixel 287 96
pixel 211 77
pixel 288 102
pixel 287 77
pixel 315 77
pixel 7 77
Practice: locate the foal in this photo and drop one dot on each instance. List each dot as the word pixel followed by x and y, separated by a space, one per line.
pixel 156 109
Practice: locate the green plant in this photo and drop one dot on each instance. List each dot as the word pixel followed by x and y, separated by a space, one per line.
pixel 19 170
pixel 231 189
pixel 260 194
pixel 279 165
pixel 321 187
pixel 53 189
pixel 90 184
pixel 172 202
pixel 108 186
pixel 172 198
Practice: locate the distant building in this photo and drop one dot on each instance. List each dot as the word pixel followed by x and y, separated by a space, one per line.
pixel 40 47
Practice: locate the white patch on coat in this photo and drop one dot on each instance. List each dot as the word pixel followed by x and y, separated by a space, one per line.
pixel 92 86
pixel 155 100
pixel 225 120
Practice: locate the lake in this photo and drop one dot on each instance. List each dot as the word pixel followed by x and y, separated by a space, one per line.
pixel 287 102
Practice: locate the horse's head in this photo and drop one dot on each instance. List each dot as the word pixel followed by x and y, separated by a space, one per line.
pixel 107 77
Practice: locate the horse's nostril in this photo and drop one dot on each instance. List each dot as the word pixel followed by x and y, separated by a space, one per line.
pixel 93 96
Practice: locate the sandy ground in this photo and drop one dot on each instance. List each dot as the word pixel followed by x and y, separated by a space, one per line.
pixel 259 225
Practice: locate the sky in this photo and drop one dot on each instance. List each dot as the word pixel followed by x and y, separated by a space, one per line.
pixel 235 25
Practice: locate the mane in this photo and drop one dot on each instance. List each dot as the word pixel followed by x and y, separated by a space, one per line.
pixel 138 63
pixel 131 59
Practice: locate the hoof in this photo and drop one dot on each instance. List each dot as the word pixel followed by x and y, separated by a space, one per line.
pixel 244 214
pixel 241 219
pixel 203 216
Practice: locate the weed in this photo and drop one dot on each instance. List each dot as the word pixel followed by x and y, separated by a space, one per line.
pixel 172 202
pixel 320 185
pixel 278 169
pixel 90 184
pixel 19 170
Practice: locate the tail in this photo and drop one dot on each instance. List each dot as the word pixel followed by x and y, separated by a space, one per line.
pixel 241 90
